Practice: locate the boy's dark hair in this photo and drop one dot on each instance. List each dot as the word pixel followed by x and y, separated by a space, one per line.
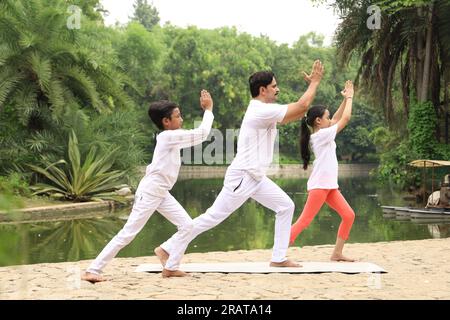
pixel 313 113
pixel 259 79
pixel 159 110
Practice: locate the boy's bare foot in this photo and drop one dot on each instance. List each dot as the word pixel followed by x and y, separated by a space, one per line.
pixel 341 257
pixel 162 255
pixel 176 273
pixel 92 277
pixel 286 264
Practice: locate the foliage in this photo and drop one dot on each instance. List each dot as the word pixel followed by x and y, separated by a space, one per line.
pixel 11 187
pixel 353 143
pixel 130 132
pixel 14 184
pixel 422 130
pixel 77 180
pixel 395 154
pixel 145 14
pixel 98 81
pixel 141 54
pixel 408 54
pixel 404 61
pixel 45 67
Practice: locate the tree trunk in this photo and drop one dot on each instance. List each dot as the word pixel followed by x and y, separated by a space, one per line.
pixel 388 89
pixel 405 74
pixel 419 57
pixel 423 95
pixel 447 109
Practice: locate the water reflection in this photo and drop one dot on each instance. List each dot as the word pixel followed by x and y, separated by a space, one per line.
pixel 250 227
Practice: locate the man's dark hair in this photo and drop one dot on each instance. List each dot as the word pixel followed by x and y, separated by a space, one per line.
pixel 259 79
pixel 160 110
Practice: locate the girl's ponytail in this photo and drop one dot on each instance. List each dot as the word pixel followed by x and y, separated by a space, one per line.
pixel 305 134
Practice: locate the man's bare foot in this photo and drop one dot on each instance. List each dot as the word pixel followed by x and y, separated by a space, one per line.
pixel 92 277
pixel 341 257
pixel 176 273
pixel 286 264
pixel 162 255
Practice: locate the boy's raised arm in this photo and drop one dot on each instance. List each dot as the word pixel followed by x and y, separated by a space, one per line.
pixel 189 138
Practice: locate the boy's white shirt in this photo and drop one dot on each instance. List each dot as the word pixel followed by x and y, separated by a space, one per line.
pixel 257 137
pixel 324 174
pixel 162 173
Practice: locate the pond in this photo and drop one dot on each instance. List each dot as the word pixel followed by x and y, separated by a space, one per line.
pixel 250 227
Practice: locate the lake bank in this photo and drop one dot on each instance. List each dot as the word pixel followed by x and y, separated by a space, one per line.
pixel 276 170
pixel 86 209
pixel 418 269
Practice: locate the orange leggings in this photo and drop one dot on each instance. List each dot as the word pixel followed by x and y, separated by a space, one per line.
pixel 316 198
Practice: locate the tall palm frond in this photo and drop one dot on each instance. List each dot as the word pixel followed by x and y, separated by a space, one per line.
pixel 62 66
pixel 394 54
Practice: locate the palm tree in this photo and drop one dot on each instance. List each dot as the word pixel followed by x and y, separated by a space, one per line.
pixel 411 50
pixel 46 68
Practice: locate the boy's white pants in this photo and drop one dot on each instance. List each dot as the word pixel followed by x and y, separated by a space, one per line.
pixel 238 187
pixel 143 208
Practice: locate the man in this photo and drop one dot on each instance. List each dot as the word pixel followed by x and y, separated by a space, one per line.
pixel 246 176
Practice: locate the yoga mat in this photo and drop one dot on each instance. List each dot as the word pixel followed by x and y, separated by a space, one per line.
pixel 263 267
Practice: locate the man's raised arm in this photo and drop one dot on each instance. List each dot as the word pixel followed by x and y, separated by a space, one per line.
pixel 298 109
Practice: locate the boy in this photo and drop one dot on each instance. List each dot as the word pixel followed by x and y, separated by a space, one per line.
pixel 153 190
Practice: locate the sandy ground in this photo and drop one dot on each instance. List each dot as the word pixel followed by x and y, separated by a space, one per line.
pixel 416 270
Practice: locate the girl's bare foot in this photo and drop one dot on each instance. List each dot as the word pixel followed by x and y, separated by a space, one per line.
pixel 92 277
pixel 176 273
pixel 286 264
pixel 340 257
pixel 162 255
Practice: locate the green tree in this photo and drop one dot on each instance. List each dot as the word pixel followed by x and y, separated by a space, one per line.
pixel 45 68
pixel 92 9
pixel 141 54
pixel 354 143
pixel 403 64
pixel 146 14
pixel 410 51
pixel 48 73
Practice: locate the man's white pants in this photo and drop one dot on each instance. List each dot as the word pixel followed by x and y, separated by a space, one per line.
pixel 143 208
pixel 238 187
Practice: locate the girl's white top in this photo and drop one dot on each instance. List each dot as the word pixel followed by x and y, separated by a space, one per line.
pixel 162 173
pixel 325 166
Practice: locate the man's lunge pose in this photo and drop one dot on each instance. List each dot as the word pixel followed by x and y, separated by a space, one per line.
pixel 246 176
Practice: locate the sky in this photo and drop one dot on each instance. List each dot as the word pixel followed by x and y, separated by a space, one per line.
pixel 281 20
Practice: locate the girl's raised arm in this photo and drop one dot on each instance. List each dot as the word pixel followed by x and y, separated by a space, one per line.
pixel 347 113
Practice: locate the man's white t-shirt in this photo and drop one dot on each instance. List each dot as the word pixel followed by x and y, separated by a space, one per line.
pixel 257 137
pixel 325 166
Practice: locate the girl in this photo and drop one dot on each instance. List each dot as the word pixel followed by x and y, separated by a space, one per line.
pixel 322 184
